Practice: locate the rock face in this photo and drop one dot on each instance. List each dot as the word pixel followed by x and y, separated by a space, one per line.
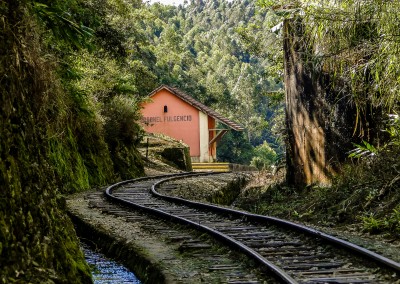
pixel 319 125
pixel 178 156
pixel 37 240
pixel 165 151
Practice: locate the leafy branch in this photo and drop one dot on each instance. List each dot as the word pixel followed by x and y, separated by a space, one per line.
pixel 62 24
pixel 363 150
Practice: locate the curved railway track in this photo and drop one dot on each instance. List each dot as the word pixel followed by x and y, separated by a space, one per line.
pixel 292 252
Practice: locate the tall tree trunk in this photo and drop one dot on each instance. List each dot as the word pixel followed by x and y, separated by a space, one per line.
pixel 319 125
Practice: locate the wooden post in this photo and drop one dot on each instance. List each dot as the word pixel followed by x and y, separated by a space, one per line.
pixel 147 148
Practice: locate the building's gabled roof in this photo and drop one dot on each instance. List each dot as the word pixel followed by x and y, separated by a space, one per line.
pixel 198 105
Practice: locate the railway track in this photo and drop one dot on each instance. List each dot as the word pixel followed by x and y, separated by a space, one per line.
pixel 291 252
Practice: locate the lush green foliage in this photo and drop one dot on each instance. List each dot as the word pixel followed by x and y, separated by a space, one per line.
pixel 363 150
pixel 393 129
pixel 367 150
pixel 264 157
pixel 235 149
pixel 102 88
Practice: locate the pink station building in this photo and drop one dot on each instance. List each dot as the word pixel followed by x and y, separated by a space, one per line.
pixel 173 113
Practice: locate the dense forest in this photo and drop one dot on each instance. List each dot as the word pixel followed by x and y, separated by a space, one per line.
pixel 73 73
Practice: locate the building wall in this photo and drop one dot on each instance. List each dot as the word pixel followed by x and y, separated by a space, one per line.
pixel 181 121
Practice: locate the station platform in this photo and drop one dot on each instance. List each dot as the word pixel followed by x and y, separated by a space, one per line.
pixel 221 167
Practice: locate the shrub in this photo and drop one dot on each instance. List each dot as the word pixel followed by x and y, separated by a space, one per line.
pixel 123 134
pixel 121 116
pixel 265 156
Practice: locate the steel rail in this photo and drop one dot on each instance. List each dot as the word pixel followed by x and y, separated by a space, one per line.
pixel 279 273
pixel 268 219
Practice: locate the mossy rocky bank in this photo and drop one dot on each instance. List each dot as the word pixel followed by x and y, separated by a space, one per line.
pixel 50 144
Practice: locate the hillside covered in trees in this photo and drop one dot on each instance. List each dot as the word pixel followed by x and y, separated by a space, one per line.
pixel 73 73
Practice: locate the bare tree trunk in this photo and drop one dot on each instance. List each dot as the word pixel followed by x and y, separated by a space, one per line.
pixel 319 125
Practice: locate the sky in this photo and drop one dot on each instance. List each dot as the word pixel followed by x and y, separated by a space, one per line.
pixel 167 2
pixel 170 2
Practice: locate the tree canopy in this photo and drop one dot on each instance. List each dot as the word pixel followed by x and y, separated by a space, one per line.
pixel 356 42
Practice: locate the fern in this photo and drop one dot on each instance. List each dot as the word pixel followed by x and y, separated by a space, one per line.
pixel 363 150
